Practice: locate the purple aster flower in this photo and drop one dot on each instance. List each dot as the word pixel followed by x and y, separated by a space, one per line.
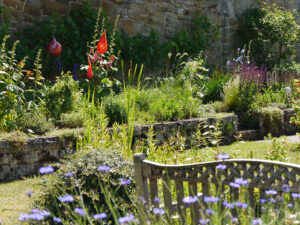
pixel 295 195
pixel 0 221
pixel 272 200
pixel 256 221
pixel 209 212
pixel 190 199
pixel 45 213
pixel 70 174
pixel 59 66
pixel 36 216
pixel 66 198
pixel 234 220
pixel 221 167
pixel 158 211
pixel 24 217
pixel 29 194
pixel 100 216
pixel 242 51
pixel 234 185
pixel 241 181
pixel 241 205
pixel 56 219
pixel 156 200
pixel 104 168
pixel 290 205
pixel 271 192
pixel 46 169
pixel 124 181
pixel 203 222
pixel 228 205
pixel 211 199
pixel 286 188
pixel 263 201
pixel 223 156
pixel 79 211
pixel 126 219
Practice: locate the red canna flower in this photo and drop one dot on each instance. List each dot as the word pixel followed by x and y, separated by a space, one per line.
pixel 90 71
pixel 102 44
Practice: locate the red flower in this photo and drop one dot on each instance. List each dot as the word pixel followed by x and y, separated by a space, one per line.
pixel 102 44
pixel 89 74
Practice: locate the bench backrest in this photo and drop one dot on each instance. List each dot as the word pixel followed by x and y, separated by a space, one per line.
pixel 262 175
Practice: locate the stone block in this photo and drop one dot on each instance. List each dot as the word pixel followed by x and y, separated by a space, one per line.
pixel 50 7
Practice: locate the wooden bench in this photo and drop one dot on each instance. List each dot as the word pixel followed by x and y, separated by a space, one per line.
pixel 262 175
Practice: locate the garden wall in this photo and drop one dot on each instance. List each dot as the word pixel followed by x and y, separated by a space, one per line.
pixel 25 160
pixel 140 16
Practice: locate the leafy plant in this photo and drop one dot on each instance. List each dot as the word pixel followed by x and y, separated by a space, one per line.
pixel 271 119
pixel 279 150
pixel 272 32
pixel 115 110
pixel 64 96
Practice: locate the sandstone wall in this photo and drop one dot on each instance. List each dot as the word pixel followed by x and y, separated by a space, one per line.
pixel 140 16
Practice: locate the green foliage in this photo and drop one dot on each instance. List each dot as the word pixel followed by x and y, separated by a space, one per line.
pixel 73 32
pixel 296 118
pixel 89 186
pixel 272 33
pixel 115 110
pixel 34 123
pixel 231 93
pixel 212 87
pixel 271 118
pixel 279 149
pixel 268 97
pixel 64 96
pixel 71 120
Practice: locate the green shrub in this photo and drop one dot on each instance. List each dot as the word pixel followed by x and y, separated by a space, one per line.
pixel 219 106
pixel 271 119
pixel 89 185
pixel 115 110
pixel 34 123
pixel 71 120
pixel 64 96
pixel 272 32
pixel 231 93
pixel 270 98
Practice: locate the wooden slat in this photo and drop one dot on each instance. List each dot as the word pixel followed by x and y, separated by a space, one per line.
pixel 167 196
pixel 180 205
pixel 195 213
pixel 153 191
pixel 250 197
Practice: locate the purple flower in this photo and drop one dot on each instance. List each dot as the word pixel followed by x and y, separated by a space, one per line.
pixel 24 217
pixel 286 188
pixel 223 156
pixel 66 198
pixel 234 185
pixel 158 211
pixel 263 201
pixel 0 221
pixel 56 219
pixel 295 195
pixel 100 216
pixel 242 51
pixel 241 181
pixel 209 212
pixel 221 167
pixel 211 199
pixel 126 219
pixel 104 168
pixel 124 181
pixel 290 205
pixel 79 211
pixel 59 66
pixel 70 174
pixel 228 205
pixel 203 222
pixel 36 216
pixel 156 200
pixel 241 205
pixel 29 194
pixel 45 170
pixel 256 221
pixel 271 192
pixel 74 71
pixel 190 199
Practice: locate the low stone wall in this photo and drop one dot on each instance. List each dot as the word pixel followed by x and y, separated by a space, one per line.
pixel 25 160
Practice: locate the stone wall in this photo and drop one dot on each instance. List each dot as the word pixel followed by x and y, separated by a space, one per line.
pixel 25 160
pixel 140 16
pixel 17 161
